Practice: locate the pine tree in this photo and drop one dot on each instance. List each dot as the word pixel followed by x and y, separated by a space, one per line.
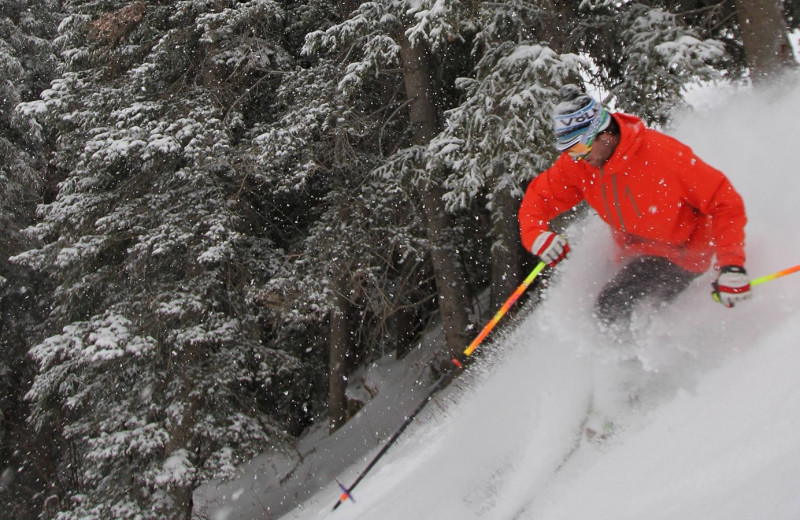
pixel 27 63
pixel 158 372
pixel 377 38
pixel 645 57
pixel 362 248
pixel 755 34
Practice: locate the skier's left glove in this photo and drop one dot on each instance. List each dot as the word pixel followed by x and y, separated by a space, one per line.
pixel 732 285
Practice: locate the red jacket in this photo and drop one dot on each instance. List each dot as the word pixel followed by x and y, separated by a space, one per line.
pixel 659 198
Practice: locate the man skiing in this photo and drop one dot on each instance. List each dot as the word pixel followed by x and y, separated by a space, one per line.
pixel 669 211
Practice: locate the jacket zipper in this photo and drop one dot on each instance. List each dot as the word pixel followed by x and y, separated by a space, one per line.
pixel 617 204
pixel 605 195
pixel 629 193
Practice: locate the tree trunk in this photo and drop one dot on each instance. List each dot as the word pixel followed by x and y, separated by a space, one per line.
pixel 405 325
pixel 451 287
pixel 454 297
pixel 506 248
pixel 180 439
pixel 765 37
pixel 339 347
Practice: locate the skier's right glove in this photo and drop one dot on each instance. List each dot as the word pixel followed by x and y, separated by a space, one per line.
pixel 732 285
pixel 550 248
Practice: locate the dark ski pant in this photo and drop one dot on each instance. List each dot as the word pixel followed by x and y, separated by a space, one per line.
pixel 647 278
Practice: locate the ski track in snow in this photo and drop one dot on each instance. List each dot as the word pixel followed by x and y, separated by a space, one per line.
pixel 704 403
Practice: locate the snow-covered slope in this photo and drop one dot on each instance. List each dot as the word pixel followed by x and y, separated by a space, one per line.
pixel 700 414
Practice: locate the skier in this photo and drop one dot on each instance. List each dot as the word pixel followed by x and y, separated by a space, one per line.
pixel 669 211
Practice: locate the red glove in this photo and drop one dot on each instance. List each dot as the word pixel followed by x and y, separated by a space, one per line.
pixel 550 248
pixel 732 285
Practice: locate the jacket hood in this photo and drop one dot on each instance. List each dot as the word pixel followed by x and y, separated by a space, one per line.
pixel 631 130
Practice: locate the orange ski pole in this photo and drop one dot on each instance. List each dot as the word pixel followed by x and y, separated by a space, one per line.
pixel 449 374
pixel 504 309
pixel 773 276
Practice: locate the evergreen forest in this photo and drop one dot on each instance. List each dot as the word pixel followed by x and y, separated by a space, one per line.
pixel 214 211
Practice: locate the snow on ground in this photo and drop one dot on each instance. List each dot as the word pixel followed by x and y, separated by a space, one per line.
pixel 701 412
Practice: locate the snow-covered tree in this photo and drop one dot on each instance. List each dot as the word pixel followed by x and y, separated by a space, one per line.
pixel 645 56
pixel 158 372
pixel 361 248
pixel 404 46
pixel 27 64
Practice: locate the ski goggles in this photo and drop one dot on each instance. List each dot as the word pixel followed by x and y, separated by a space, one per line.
pixel 580 150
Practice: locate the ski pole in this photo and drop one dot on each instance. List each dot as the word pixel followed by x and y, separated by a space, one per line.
pixel 768 278
pixel 504 309
pixel 773 276
pixel 457 363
